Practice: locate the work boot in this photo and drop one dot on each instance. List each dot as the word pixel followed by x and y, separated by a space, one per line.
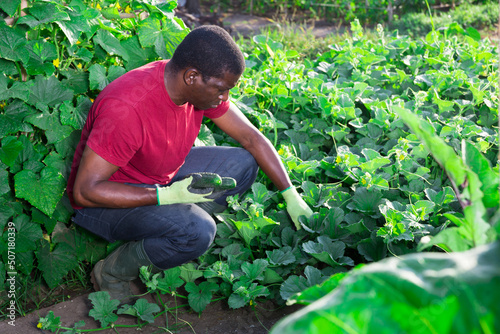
pixel 115 272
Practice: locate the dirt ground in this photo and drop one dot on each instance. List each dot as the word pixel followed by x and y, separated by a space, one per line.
pixel 217 317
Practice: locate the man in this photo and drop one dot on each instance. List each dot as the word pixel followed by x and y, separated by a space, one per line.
pixel 136 175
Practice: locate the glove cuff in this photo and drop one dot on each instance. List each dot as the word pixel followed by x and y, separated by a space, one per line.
pixel 290 194
pixel 157 194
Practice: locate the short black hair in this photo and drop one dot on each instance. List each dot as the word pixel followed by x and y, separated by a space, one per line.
pixel 211 50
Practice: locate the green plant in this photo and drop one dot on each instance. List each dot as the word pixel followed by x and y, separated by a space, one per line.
pixel 335 121
pixel 105 311
pixel 54 61
pixel 417 293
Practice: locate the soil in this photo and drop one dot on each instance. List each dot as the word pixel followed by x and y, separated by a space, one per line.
pixel 217 318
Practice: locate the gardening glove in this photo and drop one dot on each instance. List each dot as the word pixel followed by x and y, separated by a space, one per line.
pixel 295 205
pixel 194 188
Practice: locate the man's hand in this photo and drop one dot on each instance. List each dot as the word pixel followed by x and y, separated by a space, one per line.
pixel 296 206
pixel 195 188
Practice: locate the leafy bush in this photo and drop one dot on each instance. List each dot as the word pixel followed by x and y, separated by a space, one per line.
pixel 335 121
pixel 475 16
pixel 419 293
pixel 54 61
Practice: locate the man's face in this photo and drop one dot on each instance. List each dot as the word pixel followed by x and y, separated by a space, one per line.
pixel 210 94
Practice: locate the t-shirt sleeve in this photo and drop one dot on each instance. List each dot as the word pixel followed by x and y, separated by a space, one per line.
pixel 217 112
pixel 116 133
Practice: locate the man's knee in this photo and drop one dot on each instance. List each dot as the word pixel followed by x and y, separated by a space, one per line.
pixel 169 251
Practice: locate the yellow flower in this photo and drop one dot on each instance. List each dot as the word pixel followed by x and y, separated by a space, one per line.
pixel 78 42
pixel 363 181
pixel 98 7
pixel 56 62
pixel 339 159
pixel 118 5
pixel 128 9
pixel 257 214
pixel 39 325
pixel 79 66
pixel 92 100
pixel 402 157
pixel 251 302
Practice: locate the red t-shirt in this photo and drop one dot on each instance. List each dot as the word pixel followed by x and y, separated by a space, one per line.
pixel 133 124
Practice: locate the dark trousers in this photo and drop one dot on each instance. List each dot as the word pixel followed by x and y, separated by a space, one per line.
pixel 177 233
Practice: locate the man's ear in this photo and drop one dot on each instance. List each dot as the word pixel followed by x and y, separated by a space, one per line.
pixel 190 76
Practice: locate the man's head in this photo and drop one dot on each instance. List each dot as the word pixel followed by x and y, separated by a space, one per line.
pixel 211 50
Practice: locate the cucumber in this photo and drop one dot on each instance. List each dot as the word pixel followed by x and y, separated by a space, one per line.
pixel 205 180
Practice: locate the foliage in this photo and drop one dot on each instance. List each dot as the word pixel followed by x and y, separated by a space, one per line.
pixel 338 122
pixel 105 310
pixel 476 16
pixel 54 61
pixel 479 14
pixel 417 293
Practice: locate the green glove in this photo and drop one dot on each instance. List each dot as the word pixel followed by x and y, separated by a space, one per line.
pixel 195 188
pixel 296 206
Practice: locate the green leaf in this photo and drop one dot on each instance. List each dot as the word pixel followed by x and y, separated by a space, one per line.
pixel 66 147
pixel 450 240
pixel 315 292
pixel 399 303
pixel 283 256
pixel 141 309
pixel 77 81
pixel 4 185
pixel 50 322
pixel 205 137
pixel 10 149
pixel 189 273
pixel 292 285
pixel 103 308
pixel 28 157
pixel 365 201
pixel 40 52
pixel 374 161
pixel 55 264
pixel 11 121
pixel 255 270
pixel 98 77
pixel 488 178
pixel 110 13
pixel 442 152
pixel 48 92
pixel 138 55
pixel 12 44
pixel 51 123
pixel 10 7
pixel 200 296
pixel 27 233
pixel 111 44
pixel 42 12
pixel 84 244
pixel 18 90
pixel 55 160
pixel 75 116
pixel 42 190
pixel 171 279
pixel 74 27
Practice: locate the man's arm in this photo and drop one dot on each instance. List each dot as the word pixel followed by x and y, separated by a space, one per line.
pixel 237 126
pixel 92 188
